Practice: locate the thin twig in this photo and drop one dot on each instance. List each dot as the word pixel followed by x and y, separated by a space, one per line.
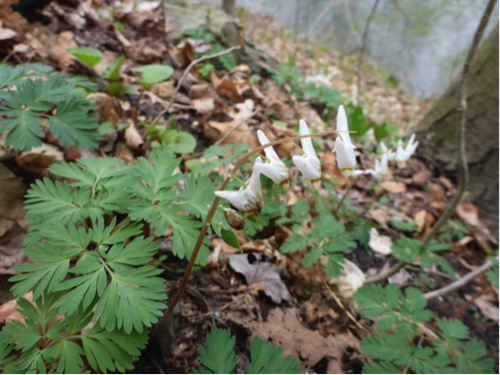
pixel 363 48
pixel 463 171
pixel 460 282
pixel 349 22
pixel 319 18
pixel 211 213
pixel 358 324
pixel 184 75
pixel 236 127
pixel 467 304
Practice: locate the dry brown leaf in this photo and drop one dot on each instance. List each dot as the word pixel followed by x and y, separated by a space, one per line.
pixel 380 216
pixel 469 214
pixel 39 159
pixel 488 309
pixel 421 178
pixel 106 107
pixel 285 329
pixel 12 191
pixel 165 90
pixel 420 219
pixel 133 138
pixel 393 187
pixel 8 311
pixel 378 243
pixel 11 244
pixel 64 41
pixel 261 272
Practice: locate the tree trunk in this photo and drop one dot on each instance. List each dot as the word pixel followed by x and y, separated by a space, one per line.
pixel 437 132
pixel 229 6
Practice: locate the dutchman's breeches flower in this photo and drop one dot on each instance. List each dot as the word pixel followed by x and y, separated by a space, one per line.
pixel 380 167
pixel 273 168
pixel 249 197
pixel 403 154
pixel 344 148
pixel 308 164
pixel 391 155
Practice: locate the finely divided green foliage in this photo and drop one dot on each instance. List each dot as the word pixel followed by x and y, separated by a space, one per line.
pixel 327 237
pixel 90 266
pixel 265 357
pixel 50 342
pixel 70 117
pixel 397 348
pixel 493 273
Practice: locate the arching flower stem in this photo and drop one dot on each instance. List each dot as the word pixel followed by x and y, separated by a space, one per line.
pixel 211 213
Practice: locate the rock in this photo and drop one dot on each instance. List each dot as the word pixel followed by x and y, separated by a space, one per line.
pixel 192 14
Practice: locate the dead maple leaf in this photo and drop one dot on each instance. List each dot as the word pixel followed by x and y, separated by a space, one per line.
pixel 261 272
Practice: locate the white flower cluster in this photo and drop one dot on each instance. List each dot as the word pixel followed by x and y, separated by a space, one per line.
pixel 401 156
pixel 249 196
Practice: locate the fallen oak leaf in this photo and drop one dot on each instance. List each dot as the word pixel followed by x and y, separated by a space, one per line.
pixel 261 272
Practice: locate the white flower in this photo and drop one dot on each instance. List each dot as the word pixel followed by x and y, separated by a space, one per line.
pixel 351 279
pixel 403 154
pixel 380 167
pixel 275 169
pixel 344 148
pixel 391 155
pixel 308 163
pixel 358 172
pixel 249 197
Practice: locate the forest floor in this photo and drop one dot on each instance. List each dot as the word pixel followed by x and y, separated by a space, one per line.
pixel 309 323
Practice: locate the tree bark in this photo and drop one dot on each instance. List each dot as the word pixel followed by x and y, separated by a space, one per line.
pixel 437 131
pixel 229 6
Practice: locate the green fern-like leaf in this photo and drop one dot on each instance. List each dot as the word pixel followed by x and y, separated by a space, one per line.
pixel 218 357
pixel 197 195
pixel 267 358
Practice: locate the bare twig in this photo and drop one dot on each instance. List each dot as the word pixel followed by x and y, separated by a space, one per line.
pixel 467 304
pixel 349 22
pixel 460 282
pixel 236 127
pixel 463 170
pixel 363 48
pixel 184 75
pixel 211 213
pixel 325 10
pixel 353 319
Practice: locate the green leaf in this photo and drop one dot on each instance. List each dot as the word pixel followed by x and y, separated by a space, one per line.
pixel 361 231
pixel 197 195
pixel 218 357
pixel 153 74
pixel 404 226
pixel 5 350
pixel 75 123
pixel 47 200
pixel 380 368
pixel 388 347
pixel 112 72
pixel 230 238
pixel 50 268
pixel 267 358
pixel 180 142
pixel 130 300
pixel 493 273
pixel 69 356
pixel 88 55
pixel 406 249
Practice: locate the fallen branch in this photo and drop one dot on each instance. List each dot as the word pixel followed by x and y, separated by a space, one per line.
pixel 463 171
pixel 460 282
pixel 184 75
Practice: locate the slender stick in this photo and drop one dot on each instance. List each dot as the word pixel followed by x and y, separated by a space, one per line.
pixel 184 75
pixel 460 282
pixel 363 48
pixel 463 170
pixel 211 213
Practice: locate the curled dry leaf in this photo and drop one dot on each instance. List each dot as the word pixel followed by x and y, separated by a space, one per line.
pixel 133 138
pixel 351 279
pixel 393 187
pixel 261 272
pixel 488 309
pixel 8 311
pixel 39 158
pixel 378 243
